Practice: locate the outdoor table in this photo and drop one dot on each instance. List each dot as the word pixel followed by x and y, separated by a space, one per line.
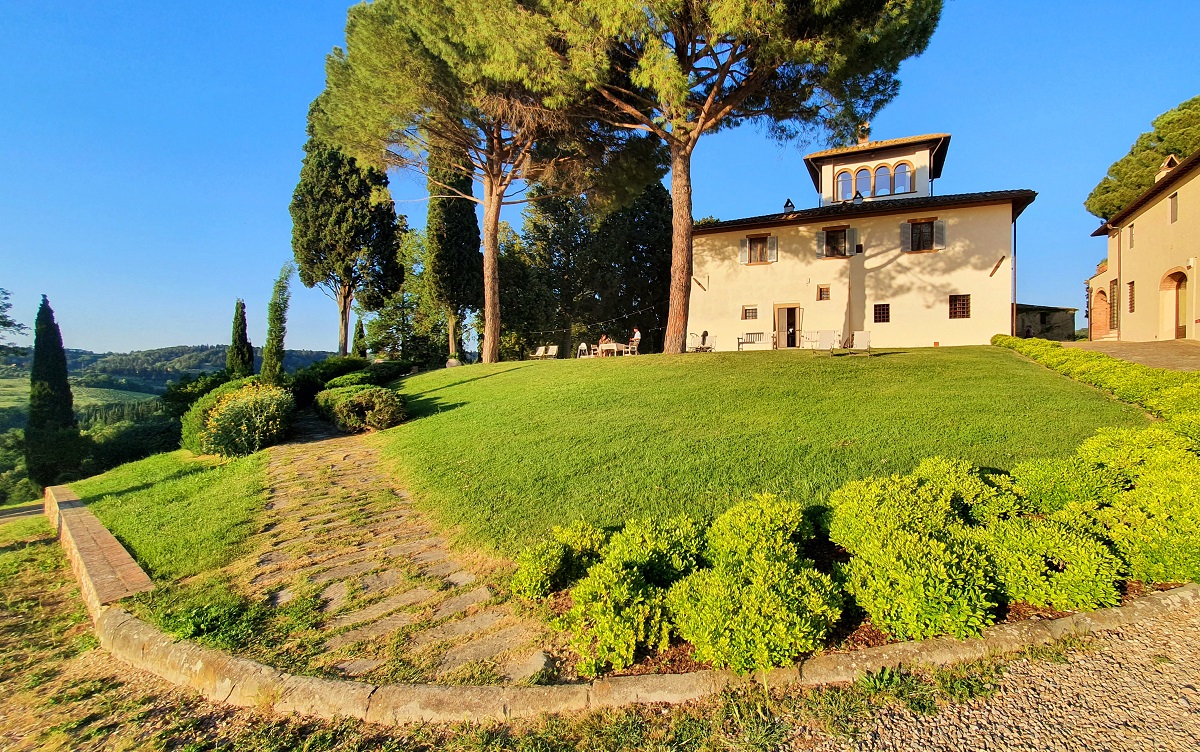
pixel 616 348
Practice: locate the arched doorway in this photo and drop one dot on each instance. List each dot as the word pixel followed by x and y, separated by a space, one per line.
pixel 1174 307
pixel 1099 316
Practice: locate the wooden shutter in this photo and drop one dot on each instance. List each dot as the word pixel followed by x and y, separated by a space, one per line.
pixel 851 241
pixel 772 249
pixel 939 234
pixel 905 237
pixel 820 244
pixel 744 253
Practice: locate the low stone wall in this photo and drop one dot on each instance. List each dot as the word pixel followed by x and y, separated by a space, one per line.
pixel 105 572
pixel 242 682
pixel 104 569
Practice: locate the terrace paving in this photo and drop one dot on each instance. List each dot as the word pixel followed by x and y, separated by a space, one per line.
pixel 1175 354
pixel 393 591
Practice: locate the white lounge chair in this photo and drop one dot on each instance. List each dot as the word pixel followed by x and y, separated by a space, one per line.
pixel 582 350
pixel 551 353
pixel 827 339
pixel 539 353
pixel 861 343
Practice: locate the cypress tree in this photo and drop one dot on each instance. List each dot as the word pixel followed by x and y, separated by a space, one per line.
pixel 272 362
pixel 239 360
pixel 52 445
pixel 453 261
pixel 359 349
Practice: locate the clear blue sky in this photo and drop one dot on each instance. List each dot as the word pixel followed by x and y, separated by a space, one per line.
pixel 148 151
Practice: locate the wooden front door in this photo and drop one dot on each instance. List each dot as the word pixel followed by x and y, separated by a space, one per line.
pixel 787 326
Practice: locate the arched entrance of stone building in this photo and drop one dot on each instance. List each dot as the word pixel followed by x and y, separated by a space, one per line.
pixel 1099 315
pixel 1174 310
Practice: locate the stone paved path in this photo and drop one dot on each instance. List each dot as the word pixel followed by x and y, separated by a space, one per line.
pixel 393 593
pixel 1176 354
pixel 1138 689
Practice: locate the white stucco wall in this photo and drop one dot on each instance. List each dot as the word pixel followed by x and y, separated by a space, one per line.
pixel 977 261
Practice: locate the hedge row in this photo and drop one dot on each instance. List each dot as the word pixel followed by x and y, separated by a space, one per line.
pixel 1172 395
pixel 362 407
pixel 933 552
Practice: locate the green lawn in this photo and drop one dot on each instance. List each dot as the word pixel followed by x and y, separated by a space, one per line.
pixel 179 515
pixel 505 451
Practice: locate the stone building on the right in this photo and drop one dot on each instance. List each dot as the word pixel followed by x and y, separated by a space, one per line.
pixel 1147 289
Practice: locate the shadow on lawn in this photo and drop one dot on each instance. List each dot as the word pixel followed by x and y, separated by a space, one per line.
pixel 177 475
pixel 516 366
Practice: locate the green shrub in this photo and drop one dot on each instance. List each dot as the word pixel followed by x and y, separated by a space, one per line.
pixel 357 408
pixel 1047 564
pixel 247 420
pixel 916 586
pixel 620 606
pixel 305 384
pixel 182 394
pixel 358 378
pixel 1050 485
pixel 195 419
pixel 553 565
pixel 762 604
pixel 540 570
pixel 337 365
pixel 386 371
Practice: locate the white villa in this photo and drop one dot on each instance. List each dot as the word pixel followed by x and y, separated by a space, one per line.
pixel 880 254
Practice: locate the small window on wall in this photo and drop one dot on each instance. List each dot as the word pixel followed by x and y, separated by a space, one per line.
pixel 758 250
pixel 761 250
pixel 883 313
pixel 845 186
pixel 837 242
pixel 1174 202
pixel 960 306
pixel 1129 291
pixel 749 312
pixel 822 292
pixel 922 235
pixel 902 179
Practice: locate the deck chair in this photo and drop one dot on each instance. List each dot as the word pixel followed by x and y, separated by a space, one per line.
pixel 633 346
pixel 551 353
pixel 582 350
pixel 595 350
pixel 827 339
pixel 861 343
pixel 539 353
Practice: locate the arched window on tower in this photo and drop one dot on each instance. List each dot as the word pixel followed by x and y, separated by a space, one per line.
pixel 862 182
pixel 902 179
pixel 845 186
pixel 883 180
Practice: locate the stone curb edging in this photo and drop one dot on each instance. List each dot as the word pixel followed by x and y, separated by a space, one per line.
pixel 237 681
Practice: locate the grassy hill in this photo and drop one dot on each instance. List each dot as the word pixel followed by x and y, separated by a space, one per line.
pixel 14 399
pixel 505 451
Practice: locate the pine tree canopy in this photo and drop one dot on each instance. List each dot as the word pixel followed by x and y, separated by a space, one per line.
pixel 1174 132
pixel 8 327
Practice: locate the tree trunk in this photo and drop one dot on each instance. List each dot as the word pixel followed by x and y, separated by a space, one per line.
pixel 451 325
pixel 675 339
pixel 344 297
pixel 491 272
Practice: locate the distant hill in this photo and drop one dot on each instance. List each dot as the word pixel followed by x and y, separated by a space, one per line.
pixel 156 367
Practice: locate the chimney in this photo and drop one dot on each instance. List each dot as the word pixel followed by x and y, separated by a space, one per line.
pixel 1170 163
pixel 864 132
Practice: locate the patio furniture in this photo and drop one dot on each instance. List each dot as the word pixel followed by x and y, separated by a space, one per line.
pixel 632 348
pixel 539 353
pixel 595 351
pixel 616 348
pixel 861 342
pixel 827 339
pixel 582 351
pixel 702 342
pixel 551 353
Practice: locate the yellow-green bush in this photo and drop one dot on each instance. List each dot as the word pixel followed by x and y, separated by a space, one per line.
pixel 1048 564
pixel 552 565
pixel 762 603
pixel 246 420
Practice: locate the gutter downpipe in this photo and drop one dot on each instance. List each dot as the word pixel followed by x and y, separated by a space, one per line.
pixel 1120 283
pixel 1012 324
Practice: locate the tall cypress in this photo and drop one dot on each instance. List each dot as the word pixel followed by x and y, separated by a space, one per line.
pixel 52 445
pixel 453 261
pixel 272 362
pixel 239 360
pixel 359 349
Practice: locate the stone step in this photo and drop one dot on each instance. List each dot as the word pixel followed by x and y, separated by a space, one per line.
pixel 370 631
pixel 483 648
pixel 459 603
pixel 385 606
pixel 480 622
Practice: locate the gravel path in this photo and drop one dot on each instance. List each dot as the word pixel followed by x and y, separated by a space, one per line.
pixel 1136 688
